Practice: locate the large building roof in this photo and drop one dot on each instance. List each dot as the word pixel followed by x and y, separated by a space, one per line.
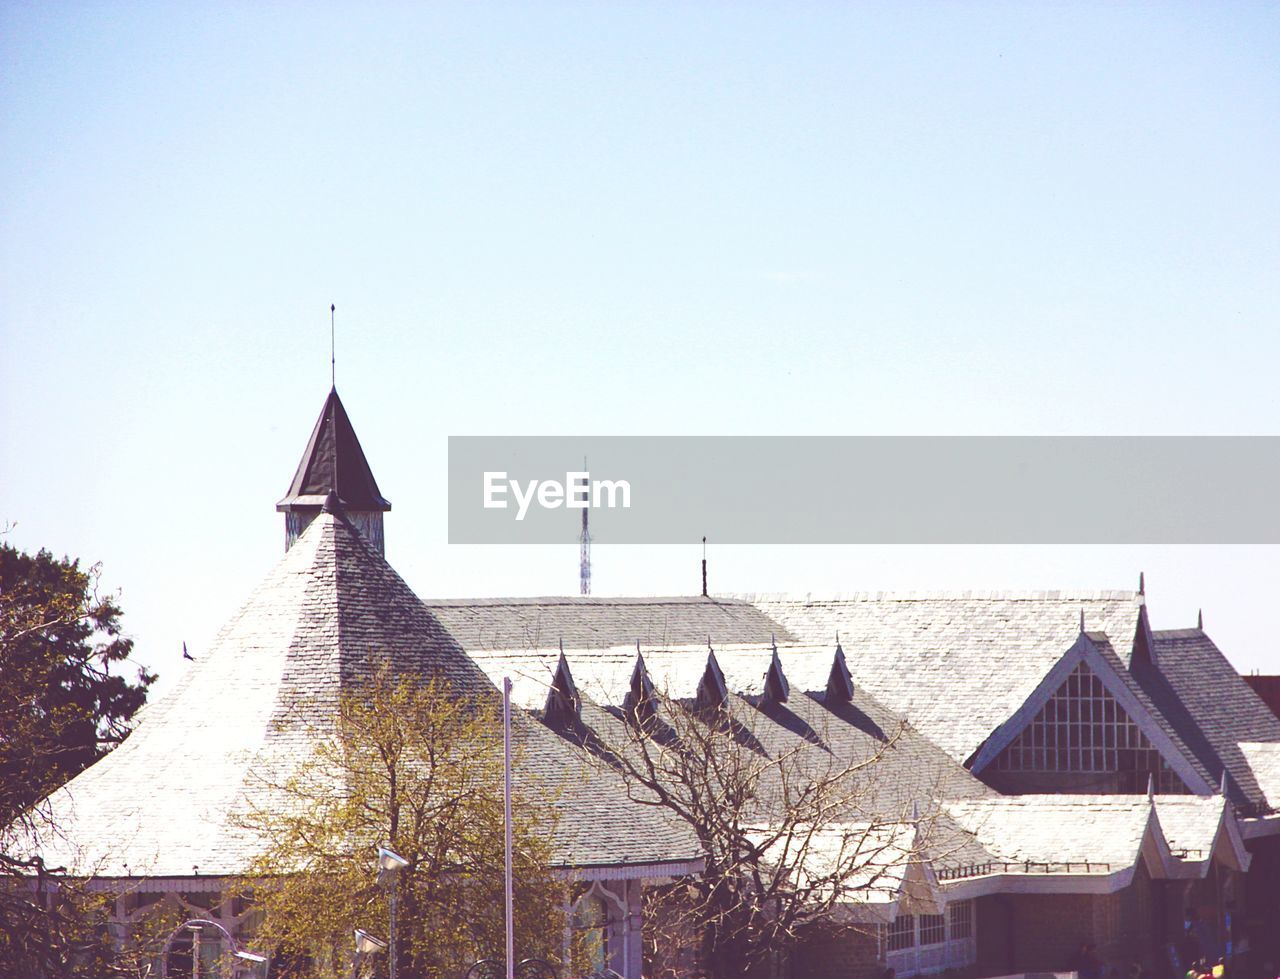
pixel 1210 706
pixel 957 665
pixel 167 801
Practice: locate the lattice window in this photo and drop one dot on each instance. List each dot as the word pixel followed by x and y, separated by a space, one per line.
pixel 902 932
pixel 961 915
pixel 933 929
pixel 1082 729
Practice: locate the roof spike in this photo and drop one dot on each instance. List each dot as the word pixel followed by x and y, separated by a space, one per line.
pixel 563 702
pixel 704 565
pixel 713 694
pixel 1200 619
pixel 776 687
pixel 1151 785
pixel 639 701
pixel 839 680
pixel 1222 783
pixel 915 810
pixel 1082 620
pixel 1142 583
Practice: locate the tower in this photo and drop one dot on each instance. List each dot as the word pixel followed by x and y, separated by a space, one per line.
pixel 584 541
pixel 334 463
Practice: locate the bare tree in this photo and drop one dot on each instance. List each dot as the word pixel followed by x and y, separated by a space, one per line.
pixel 798 809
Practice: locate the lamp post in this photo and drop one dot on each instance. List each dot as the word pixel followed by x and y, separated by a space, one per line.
pixel 366 944
pixel 390 864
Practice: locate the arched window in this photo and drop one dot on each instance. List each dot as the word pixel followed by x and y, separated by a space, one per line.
pixel 591 928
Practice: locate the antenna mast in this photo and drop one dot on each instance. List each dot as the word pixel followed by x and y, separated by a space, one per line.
pixel 584 541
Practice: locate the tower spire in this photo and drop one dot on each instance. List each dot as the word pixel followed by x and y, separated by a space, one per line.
pixel 333 472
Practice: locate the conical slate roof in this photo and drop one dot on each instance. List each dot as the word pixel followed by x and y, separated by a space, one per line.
pixel 333 460
pixel 166 801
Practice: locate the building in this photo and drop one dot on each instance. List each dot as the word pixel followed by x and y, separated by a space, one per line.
pixel 1095 778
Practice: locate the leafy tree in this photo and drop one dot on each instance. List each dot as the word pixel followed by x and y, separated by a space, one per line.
pixel 62 703
pixel 62 706
pixel 412 766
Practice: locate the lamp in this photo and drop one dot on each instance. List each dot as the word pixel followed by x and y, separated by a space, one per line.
pixel 389 861
pixel 366 944
pixel 390 864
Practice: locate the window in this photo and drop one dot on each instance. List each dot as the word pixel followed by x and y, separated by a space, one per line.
pixel 933 929
pixel 961 915
pixel 902 932
pixel 591 922
pixel 1082 729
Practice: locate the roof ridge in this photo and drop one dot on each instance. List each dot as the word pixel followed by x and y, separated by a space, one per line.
pixel 967 595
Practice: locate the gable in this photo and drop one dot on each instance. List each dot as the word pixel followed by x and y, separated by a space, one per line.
pixel 1082 728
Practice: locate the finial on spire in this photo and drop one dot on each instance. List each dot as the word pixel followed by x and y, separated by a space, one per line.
pixel 1151 785
pixel 1200 619
pixel 1082 620
pixel 333 349
pixel 1222 783
pixel 1142 583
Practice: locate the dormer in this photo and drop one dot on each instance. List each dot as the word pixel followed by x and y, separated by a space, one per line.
pixel 640 703
pixel 776 687
pixel 839 681
pixel 713 694
pixel 564 705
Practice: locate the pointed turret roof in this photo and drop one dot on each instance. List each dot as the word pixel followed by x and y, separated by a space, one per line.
pixel 334 461
pixel 255 704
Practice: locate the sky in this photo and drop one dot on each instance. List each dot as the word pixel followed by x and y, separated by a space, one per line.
pixel 583 218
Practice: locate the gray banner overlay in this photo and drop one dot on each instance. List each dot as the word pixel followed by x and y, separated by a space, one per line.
pixel 872 490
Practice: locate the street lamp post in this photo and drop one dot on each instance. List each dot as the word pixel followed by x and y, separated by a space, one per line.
pixel 390 864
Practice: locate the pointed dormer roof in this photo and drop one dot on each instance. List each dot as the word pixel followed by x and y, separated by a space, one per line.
pixel 333 462
pixel 776 687
pixel 713 693
pixel 839 681
pixel 564 705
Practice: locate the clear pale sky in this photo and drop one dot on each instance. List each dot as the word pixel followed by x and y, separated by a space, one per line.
pixel 716 218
